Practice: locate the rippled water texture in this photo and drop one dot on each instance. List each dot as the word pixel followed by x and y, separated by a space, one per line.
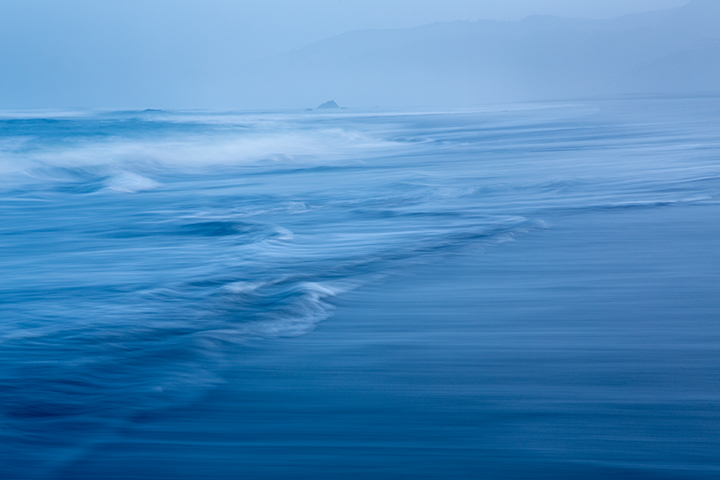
pixel 146 255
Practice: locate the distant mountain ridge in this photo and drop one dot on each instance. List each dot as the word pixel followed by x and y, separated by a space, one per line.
pixel 674 51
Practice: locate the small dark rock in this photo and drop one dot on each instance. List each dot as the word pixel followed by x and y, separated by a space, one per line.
pixel 330 104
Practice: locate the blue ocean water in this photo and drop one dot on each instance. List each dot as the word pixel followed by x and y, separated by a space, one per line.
pixel 146 255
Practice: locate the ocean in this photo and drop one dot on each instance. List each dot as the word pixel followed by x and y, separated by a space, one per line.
pixel 513 291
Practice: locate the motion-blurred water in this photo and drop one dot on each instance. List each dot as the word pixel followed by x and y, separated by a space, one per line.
pixel 142 251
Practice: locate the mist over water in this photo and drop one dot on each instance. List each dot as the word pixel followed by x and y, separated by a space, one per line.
pixel 145 255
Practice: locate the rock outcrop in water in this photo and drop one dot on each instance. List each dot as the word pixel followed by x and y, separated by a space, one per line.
pixel 329 104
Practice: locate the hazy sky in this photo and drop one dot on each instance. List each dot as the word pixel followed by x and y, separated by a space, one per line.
pixel 261 27
pixel 50 48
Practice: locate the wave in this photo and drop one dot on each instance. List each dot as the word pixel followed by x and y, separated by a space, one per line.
pixel 142 251
pixel 42 153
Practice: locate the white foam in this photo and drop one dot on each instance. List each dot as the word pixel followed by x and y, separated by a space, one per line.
pixel 128 182
pixel 239 144
pixel 321 146
pixel 284 234
pixel 243 287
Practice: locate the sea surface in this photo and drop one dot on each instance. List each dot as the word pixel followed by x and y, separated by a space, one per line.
pixel 515 291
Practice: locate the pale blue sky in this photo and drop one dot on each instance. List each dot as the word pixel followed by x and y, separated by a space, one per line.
pixel 64 53
pixel 260 27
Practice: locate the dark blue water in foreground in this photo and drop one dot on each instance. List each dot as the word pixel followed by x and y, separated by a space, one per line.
pixel 520 292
